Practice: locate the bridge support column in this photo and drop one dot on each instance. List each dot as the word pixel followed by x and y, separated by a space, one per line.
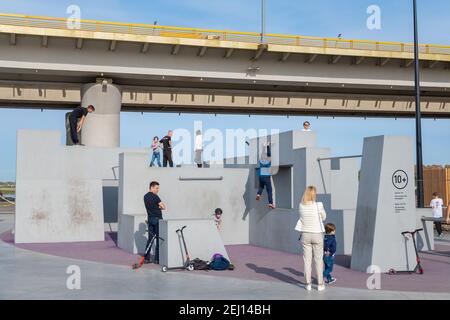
pixel 102 128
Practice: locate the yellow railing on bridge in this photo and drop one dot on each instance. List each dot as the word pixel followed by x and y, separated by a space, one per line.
pixel 225 35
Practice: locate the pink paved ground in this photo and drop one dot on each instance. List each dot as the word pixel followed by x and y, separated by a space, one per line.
pixel 256 263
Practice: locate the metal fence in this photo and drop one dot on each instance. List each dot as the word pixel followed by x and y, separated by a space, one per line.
pixel 224 35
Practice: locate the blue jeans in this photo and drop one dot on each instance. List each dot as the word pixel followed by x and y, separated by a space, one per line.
pixel 156 156
pixel 328 262
pixel 264 181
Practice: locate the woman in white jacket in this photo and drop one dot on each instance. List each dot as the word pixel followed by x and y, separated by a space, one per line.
pixel 310 224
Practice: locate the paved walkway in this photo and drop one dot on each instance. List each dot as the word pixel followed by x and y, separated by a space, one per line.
pixel 29 275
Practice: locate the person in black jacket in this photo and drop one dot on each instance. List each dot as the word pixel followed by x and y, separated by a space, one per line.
pixel 329 249
pixel 76 121
pixel 154 207
pixel 167 149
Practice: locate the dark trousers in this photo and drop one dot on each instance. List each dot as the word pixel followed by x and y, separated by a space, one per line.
pixel 438 227
pixel 73 122
pixel 153 229
pixel 328 262
pixel 167 157
pixel 264 181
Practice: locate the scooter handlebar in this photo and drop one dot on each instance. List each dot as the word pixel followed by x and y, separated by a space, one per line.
pixel 180 230
pixel 412 232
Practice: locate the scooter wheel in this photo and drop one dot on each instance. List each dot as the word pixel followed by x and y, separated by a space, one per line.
pixel 164 269
pixel 190 267
pixel 392 271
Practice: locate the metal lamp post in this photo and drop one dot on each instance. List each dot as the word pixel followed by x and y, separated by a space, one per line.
pixel 419 160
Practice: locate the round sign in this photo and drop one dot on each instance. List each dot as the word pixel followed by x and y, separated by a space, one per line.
pixel 400 179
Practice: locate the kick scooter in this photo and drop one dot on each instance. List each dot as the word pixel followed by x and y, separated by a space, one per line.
pixel 418 268
pixel 187 264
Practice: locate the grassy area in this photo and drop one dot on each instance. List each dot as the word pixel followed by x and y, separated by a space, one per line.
pixel 7 190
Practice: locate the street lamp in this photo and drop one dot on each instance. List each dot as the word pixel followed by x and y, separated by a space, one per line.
pixel 419 159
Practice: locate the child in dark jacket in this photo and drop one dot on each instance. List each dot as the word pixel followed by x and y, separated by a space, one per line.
pixel 329 248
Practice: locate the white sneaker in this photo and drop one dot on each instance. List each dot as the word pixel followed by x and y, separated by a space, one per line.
pixel 321 287
pixel 308 287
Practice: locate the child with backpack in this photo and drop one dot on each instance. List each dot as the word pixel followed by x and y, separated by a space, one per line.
pixel 329 248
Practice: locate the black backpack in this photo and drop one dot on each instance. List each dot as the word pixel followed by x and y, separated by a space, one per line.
pixel 200 264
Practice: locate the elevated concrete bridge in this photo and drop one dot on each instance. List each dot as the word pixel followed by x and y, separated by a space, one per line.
pixel 44 64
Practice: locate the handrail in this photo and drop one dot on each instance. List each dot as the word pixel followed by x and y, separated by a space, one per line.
pixel 229 35
pixel 200 178
pixel 343 157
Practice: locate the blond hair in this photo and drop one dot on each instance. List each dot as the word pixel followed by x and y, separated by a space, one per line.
pixel 309 195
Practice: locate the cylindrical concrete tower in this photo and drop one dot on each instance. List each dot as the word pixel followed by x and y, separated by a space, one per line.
pixel 102 127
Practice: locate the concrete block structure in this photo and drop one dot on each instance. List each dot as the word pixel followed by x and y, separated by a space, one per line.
pixel 386 205
pixel 300 164
pixel 69 194
pixel 188 192
pixel 61 191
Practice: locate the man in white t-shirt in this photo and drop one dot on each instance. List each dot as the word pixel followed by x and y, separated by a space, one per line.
pixel 436 205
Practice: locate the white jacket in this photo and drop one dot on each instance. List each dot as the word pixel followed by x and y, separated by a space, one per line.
pixel 311 218
pixel 199 142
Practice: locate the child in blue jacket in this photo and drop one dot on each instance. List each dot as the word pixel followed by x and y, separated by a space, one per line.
pixel 329 248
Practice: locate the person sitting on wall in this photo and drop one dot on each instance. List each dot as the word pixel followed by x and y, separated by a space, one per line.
pixel 153 205
pixel 76 121
pixel 265 176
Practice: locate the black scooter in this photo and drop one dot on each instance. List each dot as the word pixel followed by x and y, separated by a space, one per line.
pixel 188 265
pixel 147 249
pixel 418 268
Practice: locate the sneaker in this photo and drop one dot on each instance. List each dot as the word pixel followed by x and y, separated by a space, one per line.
pixel 271 206
pixel 331 280
pixel 308 287
pixel 258 197
pixel 147 261
pixel 320 287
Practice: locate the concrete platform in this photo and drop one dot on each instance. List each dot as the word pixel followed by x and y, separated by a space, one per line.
pixel 253 265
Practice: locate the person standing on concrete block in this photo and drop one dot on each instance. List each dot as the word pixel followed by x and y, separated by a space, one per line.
pixel 310 225
pixel 265 175
pixel 76 121
pixel 156 152
pixel 198 149
pixel 154 207
pixel 167 149
pixel 436 205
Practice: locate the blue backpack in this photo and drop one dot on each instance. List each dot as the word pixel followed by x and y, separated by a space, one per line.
pixel 219 263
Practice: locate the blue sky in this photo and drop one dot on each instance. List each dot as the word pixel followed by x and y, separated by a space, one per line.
pixel 326 18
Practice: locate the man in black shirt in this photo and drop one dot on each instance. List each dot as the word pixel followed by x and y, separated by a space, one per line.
pixel 153 205
pixel 75 125
pixel 167 149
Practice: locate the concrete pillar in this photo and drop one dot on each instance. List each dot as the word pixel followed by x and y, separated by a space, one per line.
pixel 102 127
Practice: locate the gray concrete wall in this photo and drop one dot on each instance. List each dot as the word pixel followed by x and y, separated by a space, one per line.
pixel 188 192
pixel 59 189
pixel 385 209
